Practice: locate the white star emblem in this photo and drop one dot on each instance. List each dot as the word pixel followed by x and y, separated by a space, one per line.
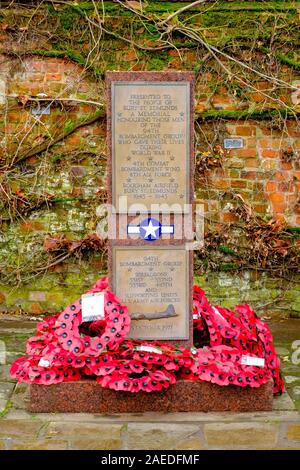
pixel 150 230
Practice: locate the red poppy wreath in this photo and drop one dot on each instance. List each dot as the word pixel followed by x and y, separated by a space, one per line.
pixel 231 348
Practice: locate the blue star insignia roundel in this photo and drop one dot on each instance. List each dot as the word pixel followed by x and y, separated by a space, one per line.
pixel 150 229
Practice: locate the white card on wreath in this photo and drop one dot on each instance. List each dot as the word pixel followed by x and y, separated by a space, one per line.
pixel 92 306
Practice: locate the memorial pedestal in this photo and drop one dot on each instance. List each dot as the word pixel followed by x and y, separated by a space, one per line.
pixel 150 188
pixel 89 397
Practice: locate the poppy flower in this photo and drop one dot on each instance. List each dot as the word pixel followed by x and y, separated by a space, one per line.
pixel 65 349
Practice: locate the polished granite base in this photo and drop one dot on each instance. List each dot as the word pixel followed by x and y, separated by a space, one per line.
pixel 89 397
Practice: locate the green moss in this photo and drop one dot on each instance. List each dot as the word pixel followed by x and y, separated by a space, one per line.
pixel 69 16
pixel 285 59
pixel 295 230
pixel 8 406
pixel 156 63
pixel 229 266
pixel 227 251
pixel 236 115
pixel 169 6
pixel 69 126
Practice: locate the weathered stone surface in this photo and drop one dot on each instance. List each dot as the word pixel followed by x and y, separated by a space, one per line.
pixel 2 444
pixel 4 373
pixel 19 428
pixel 151 163
pixel 160 436
pixel 2 352
pixel 241 434
pixel 104 434
pixel 44 444
pixel 283 402
pixel 294 432
pixel 154 295
pixel 96 444
pixel 6 389
pixel 166 100
pixel 193 443
pixel 89 396
pixel 19 398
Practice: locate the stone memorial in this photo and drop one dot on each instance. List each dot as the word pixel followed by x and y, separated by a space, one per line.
pixel 150 137
pixel 150 184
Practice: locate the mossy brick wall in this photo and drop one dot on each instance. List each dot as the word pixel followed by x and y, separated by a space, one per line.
pixel 53 167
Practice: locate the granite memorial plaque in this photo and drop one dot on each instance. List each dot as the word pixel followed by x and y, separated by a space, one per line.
pixel 150 138
pixel 154 284
pixel 150 143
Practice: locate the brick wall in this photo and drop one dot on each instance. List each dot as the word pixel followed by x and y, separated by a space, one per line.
pixel 258 172
pixel 70 175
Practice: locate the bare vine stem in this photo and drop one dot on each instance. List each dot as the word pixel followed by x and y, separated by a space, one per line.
pixel 181 10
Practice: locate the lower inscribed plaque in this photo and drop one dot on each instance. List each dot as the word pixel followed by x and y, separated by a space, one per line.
pixel 154 283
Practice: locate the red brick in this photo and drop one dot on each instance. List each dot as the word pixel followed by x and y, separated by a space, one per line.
pixel 286 165
pixel 249 175
pixel 32 160
pixel 53 77
pixel 238 184
pixel 285 186
pixel 230 217
pixel 97 264
pixel 277 143
pixel 31 226
pixel 278 207
pixel 257 185
pixel 77 192
pixel 266 131
pixel 276 197
pixel 261 197
pixel 279 176
pixel 36 309
pixel 251 152
pixel 131 55
pixel 74 139
pixel 294 133
pixel 55 67
pixel 221 172
pixel 265 143
pixel 245 130
pixel 234 173
pixel 15 116
pixel 291 198
pixel 191 56
pixel 284 98
pixel 38 77
pixel 221 184
pixel 271 186
pixel 230 129
pixel 251 163
pixel 260 208
pixel 268 153
pixel 99 131
pixel 37 66
pixel 222 100
pixel 257 97
pixel 251 143
pixel 175 63
pixel 262 85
